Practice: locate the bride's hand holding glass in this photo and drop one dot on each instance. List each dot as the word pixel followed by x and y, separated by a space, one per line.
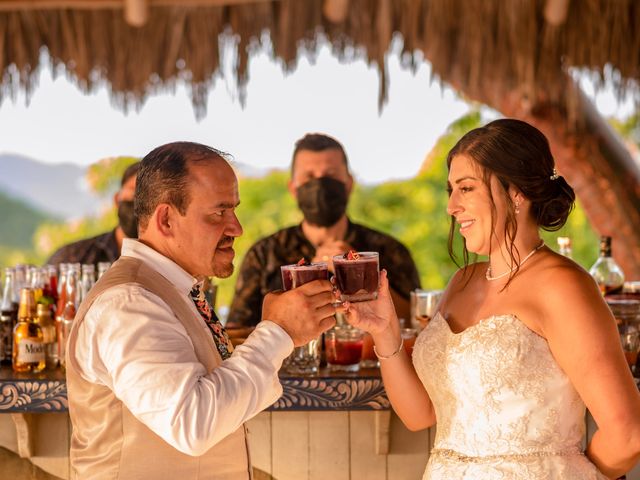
pixel 378 317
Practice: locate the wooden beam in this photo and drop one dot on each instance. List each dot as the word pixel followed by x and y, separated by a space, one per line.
pixel 8 5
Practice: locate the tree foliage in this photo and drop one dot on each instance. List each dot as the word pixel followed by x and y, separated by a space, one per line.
pixel 104 176
pixel 414 211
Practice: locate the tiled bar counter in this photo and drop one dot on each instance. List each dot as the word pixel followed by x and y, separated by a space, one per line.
pixel 336 426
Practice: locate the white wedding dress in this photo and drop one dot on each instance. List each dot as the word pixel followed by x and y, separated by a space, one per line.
pixel 504 408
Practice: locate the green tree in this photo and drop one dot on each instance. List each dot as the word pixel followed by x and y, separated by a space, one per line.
pixel 104 179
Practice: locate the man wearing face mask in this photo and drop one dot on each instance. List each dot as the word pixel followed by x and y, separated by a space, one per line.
pixel 321 184
pixel 106 247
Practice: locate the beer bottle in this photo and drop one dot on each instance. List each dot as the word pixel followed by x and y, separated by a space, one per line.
pixel 28 339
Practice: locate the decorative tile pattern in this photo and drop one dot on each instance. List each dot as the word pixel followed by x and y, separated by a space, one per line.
pixel 332 394
pixel 47 392
pixel 35 396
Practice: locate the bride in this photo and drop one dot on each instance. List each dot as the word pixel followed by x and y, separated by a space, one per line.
pixel 520 343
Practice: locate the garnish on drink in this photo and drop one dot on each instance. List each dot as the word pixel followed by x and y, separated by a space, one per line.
pixel 352 255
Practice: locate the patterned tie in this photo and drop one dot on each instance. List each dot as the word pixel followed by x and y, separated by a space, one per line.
pixel 220 336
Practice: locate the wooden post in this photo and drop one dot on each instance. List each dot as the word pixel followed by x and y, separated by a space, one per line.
pixel 335 11
pixel 25 433
pixel 136 12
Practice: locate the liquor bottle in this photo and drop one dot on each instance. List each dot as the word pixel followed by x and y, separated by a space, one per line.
pixel 606 272
pixel 28 339
pixel 8 317
pixel 564 247
pixel 44 319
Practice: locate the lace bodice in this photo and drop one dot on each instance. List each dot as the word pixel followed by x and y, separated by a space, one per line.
pixel 504 407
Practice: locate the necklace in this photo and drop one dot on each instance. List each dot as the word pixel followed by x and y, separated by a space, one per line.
pixel 488 276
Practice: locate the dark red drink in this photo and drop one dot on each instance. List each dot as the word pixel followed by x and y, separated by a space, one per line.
pixel 343 352
pixel 344 348
pixel 357 279
pixel 295 275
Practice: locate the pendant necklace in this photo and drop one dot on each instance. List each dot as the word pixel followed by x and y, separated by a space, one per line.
pixel 488 276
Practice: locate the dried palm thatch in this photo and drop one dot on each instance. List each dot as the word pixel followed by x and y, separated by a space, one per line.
pixel 484 46
pixel 514 55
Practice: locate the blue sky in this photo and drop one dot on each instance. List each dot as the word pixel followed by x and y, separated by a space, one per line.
pixel 60 124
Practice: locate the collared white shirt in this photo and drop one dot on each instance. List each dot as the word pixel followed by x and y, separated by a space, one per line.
pixel 131 342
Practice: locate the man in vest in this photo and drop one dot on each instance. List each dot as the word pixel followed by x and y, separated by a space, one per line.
pixel 156 390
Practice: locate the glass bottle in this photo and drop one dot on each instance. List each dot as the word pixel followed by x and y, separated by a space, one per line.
pixel 65 320
pixel 62 285
pixel 28 339
pixel 51 287
pixel 19 280
pixel 44 319
pixel 88 280
pixel 564 247
pixel 8 317
pixel 606 272
pixel 102 268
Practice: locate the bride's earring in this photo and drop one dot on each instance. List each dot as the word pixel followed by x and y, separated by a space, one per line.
pixel 517 207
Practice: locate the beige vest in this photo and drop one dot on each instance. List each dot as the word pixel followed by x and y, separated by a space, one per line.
pixel 107 441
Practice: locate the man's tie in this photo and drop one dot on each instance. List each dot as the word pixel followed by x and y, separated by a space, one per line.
pixel 220 336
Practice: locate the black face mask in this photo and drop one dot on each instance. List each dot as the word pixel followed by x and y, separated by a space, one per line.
pixel 323 201
pixel 127 220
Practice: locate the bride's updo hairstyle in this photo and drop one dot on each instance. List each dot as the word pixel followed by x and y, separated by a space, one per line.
pixel 517 154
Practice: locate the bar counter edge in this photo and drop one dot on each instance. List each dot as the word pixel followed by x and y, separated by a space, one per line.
pixel 46 392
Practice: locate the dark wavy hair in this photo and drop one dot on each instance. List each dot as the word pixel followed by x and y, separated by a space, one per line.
pixel 163 177
pixel 317 142
pixel 516 154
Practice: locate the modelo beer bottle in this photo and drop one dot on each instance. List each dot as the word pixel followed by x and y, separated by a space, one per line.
pixel 28 339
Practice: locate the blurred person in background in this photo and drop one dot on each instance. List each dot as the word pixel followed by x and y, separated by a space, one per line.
pixel 321 184
pixel 106 246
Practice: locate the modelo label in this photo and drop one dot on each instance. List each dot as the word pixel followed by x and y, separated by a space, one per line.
pixel 30 352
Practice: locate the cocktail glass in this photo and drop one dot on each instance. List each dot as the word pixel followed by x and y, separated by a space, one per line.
pixel 343 349
pixel 357 279
pixel 423 306
pixel 303 360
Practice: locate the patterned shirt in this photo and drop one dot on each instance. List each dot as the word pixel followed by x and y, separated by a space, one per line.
pixel 260 270
pixel 101 248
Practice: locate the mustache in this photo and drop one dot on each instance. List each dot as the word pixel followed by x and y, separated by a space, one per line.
pixel 225 242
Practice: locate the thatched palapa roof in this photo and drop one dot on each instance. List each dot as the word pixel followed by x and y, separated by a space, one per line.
pixel 492 45
pixel 513 55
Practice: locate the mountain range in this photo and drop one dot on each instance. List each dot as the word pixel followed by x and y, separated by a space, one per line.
pixel 60 190
pixel 57 190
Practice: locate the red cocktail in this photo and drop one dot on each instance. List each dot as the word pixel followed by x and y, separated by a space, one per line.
pixel 343 348
pixel 357 276
pixel 298 274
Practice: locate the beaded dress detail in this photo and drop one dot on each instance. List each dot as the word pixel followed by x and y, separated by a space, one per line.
pixel 505 409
